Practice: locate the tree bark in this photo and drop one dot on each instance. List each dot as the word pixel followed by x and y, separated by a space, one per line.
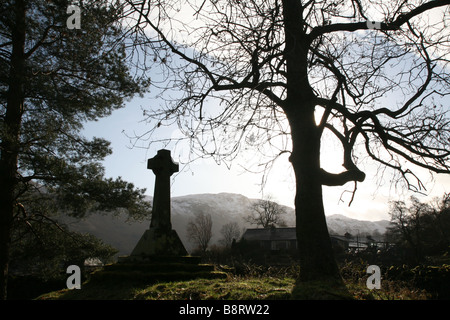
pixel 317 260
pixel 11 141
pixel 316 256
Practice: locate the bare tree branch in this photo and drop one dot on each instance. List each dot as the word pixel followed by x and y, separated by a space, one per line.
pixel 385 26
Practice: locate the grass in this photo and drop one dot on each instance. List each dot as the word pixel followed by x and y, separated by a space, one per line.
pixel 234 288
pixel 221 289
pixel 321 290
pixel 160 281
pixel 231 288
pixel 390 290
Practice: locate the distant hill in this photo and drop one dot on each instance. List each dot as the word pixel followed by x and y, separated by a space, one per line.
pixel 339 224
pixel 223 207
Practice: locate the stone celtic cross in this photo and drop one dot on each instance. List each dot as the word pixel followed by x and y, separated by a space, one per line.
pixel 160 239
pixel 163 167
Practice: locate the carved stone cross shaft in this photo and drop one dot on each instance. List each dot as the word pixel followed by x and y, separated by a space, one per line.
pixel 163 167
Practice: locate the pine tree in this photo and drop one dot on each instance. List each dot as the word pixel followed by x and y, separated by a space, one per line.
pixel 52 80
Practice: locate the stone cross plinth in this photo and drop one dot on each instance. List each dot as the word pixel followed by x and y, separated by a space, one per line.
pixel 160 239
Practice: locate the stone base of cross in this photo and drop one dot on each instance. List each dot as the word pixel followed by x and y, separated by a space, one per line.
pixel 155 242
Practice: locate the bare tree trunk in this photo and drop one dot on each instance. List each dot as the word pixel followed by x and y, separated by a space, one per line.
pixel 317 260
pixel 10 142
pixel 314 245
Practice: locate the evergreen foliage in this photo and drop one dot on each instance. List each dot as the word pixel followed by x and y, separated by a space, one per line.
pixel 52 80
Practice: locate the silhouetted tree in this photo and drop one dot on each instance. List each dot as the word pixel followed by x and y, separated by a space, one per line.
pixel 199 230
pixel 43 249
pixel 266 213
pixel 280 76
pixel 52 80
pixel 420 229
pixel 230 232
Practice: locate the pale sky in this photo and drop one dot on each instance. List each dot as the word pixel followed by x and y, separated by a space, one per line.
pixel 370 203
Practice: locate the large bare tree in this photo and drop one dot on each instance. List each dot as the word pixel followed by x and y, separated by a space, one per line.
pixel 281 76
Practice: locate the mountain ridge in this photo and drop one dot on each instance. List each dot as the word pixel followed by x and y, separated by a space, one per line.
pixel 115 230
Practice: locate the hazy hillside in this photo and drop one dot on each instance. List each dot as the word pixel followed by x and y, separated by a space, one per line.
pixel 340 224
pixel 224 208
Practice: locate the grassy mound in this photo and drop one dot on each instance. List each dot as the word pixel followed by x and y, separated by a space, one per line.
pixel 230 288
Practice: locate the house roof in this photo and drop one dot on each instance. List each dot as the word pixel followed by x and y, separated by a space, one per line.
pixel 340 238
pixel 270 234
pixel 280 234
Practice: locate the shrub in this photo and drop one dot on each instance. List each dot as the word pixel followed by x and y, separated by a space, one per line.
pixel 434 279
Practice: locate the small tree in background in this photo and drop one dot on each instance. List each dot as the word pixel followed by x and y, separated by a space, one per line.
pixel 199 230
pixel 420 229
pixel 230 232
pixel 266 213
